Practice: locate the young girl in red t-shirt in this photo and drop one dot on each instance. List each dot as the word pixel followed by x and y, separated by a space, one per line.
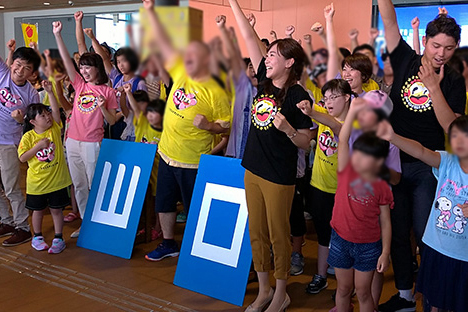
pixel 360 241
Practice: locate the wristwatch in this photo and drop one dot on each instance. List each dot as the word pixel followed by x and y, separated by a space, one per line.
pixel 293 135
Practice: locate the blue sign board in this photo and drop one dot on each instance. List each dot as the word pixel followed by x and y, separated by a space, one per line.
pixel 215 256
pixel 116 198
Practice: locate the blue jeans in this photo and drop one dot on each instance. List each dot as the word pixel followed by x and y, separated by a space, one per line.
pixel 413 201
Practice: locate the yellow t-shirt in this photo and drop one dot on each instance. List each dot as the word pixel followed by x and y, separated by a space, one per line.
pixel 145 133
pixel 182 143
pixel 370 85
pixel 316 92
pixel 326 158
pixel 48 171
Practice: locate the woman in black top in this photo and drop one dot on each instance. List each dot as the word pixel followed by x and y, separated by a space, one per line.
pixel 278 129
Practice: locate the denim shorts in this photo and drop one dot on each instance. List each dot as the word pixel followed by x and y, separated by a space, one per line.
pixel 347 255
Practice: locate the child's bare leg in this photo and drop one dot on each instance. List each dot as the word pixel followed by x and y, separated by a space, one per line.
pixel 363 283
pixel 344 290
pixel 377 286
pixel 57 217
pixel 37 217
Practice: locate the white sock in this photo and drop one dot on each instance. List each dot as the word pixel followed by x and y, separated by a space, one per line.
pixel 406 294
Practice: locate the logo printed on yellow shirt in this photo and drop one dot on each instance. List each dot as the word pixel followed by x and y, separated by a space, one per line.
pixel 416 96
pixel 46 154
pixel 327 143
pixel 263 112
pixel 183 100
pixel 87 102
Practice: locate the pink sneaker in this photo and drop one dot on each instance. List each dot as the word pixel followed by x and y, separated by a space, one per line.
pixel 39 244
pixel 70 217
pixel 58 245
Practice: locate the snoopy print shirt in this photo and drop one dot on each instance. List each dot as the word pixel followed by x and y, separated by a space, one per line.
pixel 446 228
pixel 13 97
pixel 413 114
pixel 48 171
pixel 181 142
pixel 269 153
pixel 87 120
pixel 326 158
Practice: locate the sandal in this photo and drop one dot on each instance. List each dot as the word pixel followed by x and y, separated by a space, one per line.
pixel 70 217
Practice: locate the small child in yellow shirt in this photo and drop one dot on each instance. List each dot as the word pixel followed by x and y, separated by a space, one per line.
pixel 47 179
pixel 148 121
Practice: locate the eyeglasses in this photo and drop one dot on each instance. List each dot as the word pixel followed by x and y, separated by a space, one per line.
pixel 331 98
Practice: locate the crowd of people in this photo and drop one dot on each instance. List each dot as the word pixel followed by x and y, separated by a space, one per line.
pixel 325 134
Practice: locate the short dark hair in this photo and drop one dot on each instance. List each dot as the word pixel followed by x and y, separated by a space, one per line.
pixel 443 24
pixel 156 106
pixel 130 55
pixel 368 143
pixel 247 61
pixel 345 52
pixel 361 63
pixel 461 123
pixel 95 60
pixel 364 46
pixel 462 54
pixel 266 41
pixel 141 96
pixel 338 85
pixel 28 55
pixel 31 112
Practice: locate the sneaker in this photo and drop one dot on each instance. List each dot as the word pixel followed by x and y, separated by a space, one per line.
pixel 19 237
pixel 297 264
pixel 331 270
pixel 58 245
pixel 181 217
pixel 39 244
pixel 75 234
pixel 6 230
pixel 398 304
pixel 317 284
pixel 70 217
pixel 163 251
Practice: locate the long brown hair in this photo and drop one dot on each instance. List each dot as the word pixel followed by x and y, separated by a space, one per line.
pixel 289 49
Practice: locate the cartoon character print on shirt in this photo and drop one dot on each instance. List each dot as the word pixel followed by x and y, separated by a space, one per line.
pixel 263 112
pixel 46 154
pixel 146 141
pixel 451 217
pixel 361 191
pixel 87 102
pixel 8 99
pixel 327 143
pixel 183 100
pixel 416 96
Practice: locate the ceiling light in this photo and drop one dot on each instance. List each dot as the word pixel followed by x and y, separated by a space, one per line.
pixel 46 3
pixel 2 6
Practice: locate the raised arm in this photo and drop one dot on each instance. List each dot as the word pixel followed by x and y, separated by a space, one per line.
pixel 319 30
pixel 54 106
pixel 80 38
pixel 250 37
pixel 343 145
pixel 309 49
pixel 392 31
pixel 410 147
pixel 320 117
pixel 66 105
pixel 253 21
pixel 168 52
pixel 42 66
pixel 11 45
pixel 353 37
pixel 373 34
pixel 416 43
pixel 67 61
pixel 49 68
pixel 289 31
pixel 234 57
pixel 99 50
pixel 334 55
pixel 133 103
pixel 162 72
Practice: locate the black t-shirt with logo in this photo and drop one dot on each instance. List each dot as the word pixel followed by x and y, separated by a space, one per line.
pixel 413 115
pixel 269 153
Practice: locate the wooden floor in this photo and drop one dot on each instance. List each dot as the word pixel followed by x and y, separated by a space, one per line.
pixel 83 280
